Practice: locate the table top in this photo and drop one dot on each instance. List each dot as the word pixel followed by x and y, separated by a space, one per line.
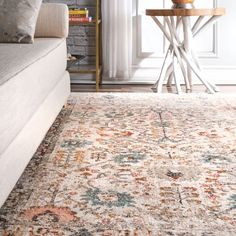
pixel 186 12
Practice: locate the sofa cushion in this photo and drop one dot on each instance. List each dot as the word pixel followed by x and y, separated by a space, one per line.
pixel 54 25
pixel 18 20
pixel 30 72
pixel 15 58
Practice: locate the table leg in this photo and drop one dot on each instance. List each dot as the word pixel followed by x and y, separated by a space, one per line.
pixel 178 43
pixel 169 75
pixel 188 45
pixel 205 25
pixel 175 45
pixel 169 72
pixel 195 69
pixel 197 24
pixel 157 87
pixel 182 53
pixel 176 78
pixel 195 58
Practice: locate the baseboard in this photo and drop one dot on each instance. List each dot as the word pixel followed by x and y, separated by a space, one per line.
pixel 223 75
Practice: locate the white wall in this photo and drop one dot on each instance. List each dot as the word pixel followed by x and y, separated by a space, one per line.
pixel 216 46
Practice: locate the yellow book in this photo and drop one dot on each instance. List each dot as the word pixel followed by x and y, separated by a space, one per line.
pixel 79 12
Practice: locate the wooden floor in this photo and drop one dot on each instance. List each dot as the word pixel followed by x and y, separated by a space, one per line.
pixel 142 88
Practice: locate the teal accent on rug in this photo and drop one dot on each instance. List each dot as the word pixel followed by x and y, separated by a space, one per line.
pixel 131 165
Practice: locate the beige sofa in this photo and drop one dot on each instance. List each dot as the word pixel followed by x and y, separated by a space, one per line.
pixel 34 85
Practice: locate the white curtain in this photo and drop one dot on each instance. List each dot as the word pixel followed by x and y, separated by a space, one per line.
pixel 117 38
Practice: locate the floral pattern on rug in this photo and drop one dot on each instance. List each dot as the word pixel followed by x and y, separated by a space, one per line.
pixel 131 164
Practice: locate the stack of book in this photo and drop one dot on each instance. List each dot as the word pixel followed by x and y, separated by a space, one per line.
pixel 79 15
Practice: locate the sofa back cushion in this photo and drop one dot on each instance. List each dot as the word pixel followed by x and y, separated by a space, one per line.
pixel 54 25
pixel 18 20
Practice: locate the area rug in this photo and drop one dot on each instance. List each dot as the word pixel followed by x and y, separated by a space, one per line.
pixel 131 164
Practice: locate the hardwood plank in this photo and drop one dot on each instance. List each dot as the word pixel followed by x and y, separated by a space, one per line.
pixel 142 88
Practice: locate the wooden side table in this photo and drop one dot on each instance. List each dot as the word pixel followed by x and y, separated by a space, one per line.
pixel 181 51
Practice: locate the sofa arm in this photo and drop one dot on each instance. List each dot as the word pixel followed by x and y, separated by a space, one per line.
pixel 53 21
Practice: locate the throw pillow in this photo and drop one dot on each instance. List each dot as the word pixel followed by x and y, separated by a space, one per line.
pixel 18 20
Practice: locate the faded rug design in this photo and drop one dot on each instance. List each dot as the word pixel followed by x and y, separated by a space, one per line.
pixel 131 164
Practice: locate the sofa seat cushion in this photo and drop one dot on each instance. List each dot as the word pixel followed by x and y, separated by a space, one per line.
pixel 28 73
pixel 16 57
